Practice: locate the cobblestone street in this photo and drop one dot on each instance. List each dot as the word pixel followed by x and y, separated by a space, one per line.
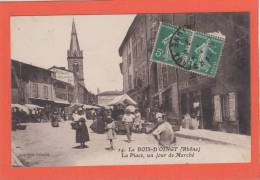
pixel 42 145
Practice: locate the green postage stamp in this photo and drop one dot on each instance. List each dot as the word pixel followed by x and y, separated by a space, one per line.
pixel 187 49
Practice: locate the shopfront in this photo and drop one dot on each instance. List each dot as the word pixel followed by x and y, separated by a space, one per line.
pixel 198 104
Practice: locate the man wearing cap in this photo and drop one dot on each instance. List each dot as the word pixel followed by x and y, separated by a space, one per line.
pixel 128 120
pixel 163 132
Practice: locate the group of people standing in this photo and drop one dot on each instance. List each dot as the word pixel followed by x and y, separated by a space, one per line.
pixel 162 131
pixel 104 123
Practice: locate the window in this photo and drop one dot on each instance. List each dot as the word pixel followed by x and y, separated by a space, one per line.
pixel 129 59
pixel 167 18
pixel 154 29
pixel 160 76
pixel 130 81
pixel 45 91
pixel 193 75
pixel 164 76
pixel 141 43
pixel 190 21
pixel 225 106
pixel 35 92
pixel 75 67
pixel 135 51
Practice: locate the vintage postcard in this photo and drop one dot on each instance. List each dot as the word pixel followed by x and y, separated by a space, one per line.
pixel 82 96
pixel 147 90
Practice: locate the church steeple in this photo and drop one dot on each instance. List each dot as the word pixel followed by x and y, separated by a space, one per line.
pixel 75 55
pixel 74 50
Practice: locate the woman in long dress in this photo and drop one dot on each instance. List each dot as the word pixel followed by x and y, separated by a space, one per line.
pixel 100 126
pixel 82 135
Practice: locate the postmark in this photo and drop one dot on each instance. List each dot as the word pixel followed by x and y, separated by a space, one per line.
pixel 189 50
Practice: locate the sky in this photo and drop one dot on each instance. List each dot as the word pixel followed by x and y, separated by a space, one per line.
pixel 44 40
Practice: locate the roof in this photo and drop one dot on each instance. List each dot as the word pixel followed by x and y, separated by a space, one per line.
pixel 61 68
pixel 31 65
pixel 60 81
pixel 123 99
pixel 107 93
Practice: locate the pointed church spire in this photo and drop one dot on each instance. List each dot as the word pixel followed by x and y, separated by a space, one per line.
pixel 75 55
pixel 73 27
pixel 74 50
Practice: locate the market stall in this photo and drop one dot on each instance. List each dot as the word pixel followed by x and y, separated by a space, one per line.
pixel 123 99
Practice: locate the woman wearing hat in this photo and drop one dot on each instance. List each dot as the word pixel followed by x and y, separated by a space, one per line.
pixel 55 119
pixel 82 135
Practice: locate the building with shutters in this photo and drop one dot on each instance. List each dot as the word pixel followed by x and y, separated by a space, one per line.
pixel 53 88
pixel 221 103
pixel 31 85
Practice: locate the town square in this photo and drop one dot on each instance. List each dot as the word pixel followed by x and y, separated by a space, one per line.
pixel 93 90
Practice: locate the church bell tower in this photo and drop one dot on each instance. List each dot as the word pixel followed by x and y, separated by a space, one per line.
pixel 75 55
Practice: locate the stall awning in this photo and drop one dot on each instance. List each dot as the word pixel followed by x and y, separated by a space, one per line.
pixel 123 99
pixel 61 101
pixel 21 108
pixel 33 106
pixel 34 98
pixel 86 106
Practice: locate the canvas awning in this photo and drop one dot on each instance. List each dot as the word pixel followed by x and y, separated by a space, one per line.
pixel 21 108
pixel 61 101
pixel 122 99
pixel 86 106
pixel 33 106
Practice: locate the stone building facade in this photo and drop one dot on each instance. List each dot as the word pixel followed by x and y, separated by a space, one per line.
pixel 221 103
pixel 47 87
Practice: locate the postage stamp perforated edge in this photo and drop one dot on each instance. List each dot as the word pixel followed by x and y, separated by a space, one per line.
pixel 219 38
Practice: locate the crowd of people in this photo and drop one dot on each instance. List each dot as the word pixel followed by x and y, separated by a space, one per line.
pixel 21 114
pixel 106 123
pixel 105 120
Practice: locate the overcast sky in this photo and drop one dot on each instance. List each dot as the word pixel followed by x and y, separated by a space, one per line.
pixel 44 40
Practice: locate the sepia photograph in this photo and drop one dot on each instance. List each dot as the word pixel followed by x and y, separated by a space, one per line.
pixel 130 89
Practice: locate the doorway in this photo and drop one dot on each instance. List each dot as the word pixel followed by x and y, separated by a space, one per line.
pixel 207 110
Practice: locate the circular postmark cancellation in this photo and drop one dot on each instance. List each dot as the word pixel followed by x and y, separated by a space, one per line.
pixel 188 50
pixel 179 57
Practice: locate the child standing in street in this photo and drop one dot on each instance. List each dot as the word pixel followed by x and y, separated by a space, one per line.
pixel 110 128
